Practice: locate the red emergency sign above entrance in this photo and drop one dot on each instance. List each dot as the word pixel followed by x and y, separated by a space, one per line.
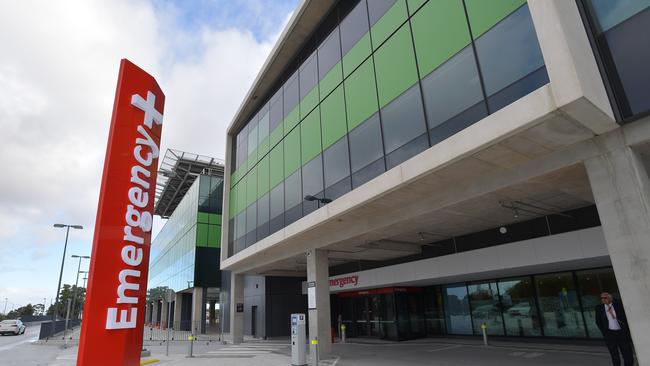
pixel 111 333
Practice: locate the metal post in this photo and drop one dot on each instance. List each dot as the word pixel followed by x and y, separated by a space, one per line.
pixel 484 329
pixel 5 311
pixel 58 287
pixel 76 285
pixel 169 310
pixel 342 333
pixel 190 345
pixel 67 316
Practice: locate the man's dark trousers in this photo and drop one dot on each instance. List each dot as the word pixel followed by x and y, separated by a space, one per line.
pixel 619 340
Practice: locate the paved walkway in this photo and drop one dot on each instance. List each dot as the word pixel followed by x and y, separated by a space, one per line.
pixel 436 352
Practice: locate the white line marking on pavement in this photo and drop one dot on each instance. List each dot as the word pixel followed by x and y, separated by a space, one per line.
pixel 445 348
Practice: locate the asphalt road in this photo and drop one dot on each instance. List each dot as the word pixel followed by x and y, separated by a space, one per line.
pixel 19 350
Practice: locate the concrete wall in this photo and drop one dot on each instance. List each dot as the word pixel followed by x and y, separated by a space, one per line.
pixel 255 295
pixel 283 297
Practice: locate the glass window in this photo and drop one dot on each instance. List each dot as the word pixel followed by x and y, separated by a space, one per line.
pixel 334 124
pixel 263 216
pixel 329 53
pixel 308 80
pixel 519 308
pixel 433 311
pixel 291 94
pixel 310 136
pixel 361 94
pixel 336 162
pixel 252 136
pixel 354 26
pixel 459 320
pixel 292 152
pixel 592 283
pixel 312 183
pixel 559 306
pixel 338 189
pixel 365 143
pixel 251 224
pixel 276 113
pixel 452 96
pixel 263 124
pixel 240 231
pixel 293 191
pixel 277 208
pixel 403 119
pixel 609 13
pixel 486 308
pixel 508 53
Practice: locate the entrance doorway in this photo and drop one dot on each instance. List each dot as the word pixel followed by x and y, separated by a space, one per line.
pixel 254 321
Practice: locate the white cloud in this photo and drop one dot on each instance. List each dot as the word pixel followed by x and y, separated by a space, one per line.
pixel 57 82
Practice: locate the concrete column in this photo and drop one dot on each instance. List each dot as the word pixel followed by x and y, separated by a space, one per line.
pixel 621 188
pixel 178 308
pixel 147 313
pixel 236 318
pixel 319 318
pixel 164 308
pixel 197 309
pixel 154 312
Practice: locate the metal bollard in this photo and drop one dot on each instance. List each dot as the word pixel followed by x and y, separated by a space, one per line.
pixel 315 360
pixel 342 333
pixel 484 330
pixel 190 349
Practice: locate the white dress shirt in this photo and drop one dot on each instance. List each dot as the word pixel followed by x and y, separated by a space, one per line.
pixel 613 322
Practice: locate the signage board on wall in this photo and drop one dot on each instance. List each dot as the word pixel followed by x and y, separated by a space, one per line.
pixel 111 333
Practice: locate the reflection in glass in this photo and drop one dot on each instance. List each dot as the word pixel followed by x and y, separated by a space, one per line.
pixel 592 283
pixel 484 301
pixel 559 307
pixel 457 312
pixel 519 309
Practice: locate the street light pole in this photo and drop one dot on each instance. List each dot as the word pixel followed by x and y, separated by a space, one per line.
pixel 58 287
pixel 76 282
pixel 5 311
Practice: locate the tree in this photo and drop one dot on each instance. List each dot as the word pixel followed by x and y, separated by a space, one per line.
pixel 67 293
pixel 26 310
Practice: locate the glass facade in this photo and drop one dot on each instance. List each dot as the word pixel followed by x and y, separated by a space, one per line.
pixel 187 248
pixel 621 32
pixel 559 305
pixel 380 82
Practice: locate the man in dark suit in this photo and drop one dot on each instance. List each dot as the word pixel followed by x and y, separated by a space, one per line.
pixel 612 322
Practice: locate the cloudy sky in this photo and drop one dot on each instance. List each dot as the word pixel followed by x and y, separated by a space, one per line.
pixel 58 71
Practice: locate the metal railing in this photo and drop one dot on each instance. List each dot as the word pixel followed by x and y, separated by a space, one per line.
pixel 181 331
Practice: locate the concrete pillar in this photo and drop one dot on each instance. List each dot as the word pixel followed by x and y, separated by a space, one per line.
pixel 319 317
pixel 147 313
pixel 621 187
pixel 178 308
pixel 164 308
pixel 197 309
pixel 236 318
pixel 154 312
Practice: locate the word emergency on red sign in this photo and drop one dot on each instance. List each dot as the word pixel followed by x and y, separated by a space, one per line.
pixel 111 332
pixel 344 281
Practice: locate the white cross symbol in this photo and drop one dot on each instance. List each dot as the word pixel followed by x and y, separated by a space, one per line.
pixel 147 106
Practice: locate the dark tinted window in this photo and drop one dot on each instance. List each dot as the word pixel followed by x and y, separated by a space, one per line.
pixel 308 75
pixel 354 26
pixel 329 53
pixel 403 119
pixel 292 190
pixel 263 124
pixel 276 111
pixel 377 8
pixel 291 94
pixel 365 143
pixel 263 209
pixel 407 151
pixel 336 162
pixel 312 177
pixel 277 200
pixel 338 189
pixel 251 224
pixel 509 51
pixel 368 172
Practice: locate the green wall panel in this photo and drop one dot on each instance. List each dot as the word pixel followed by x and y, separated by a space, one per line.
pixel 309 102
pixel 440 31
pixel 241 194
pixel 414 5
pixel 292 152
pixel 251 187
pixel 360 94
pixel 310 140
pixel 291 120
pixel 203 217
pixel 214 236
pixel 483 15
pixel 388 23
pixel 395 65
pixel 333 121
pixel 356 55
pixel 276 135
pixel 214 219
pixel 331 80
pixel 232 203
pixel 202 235
pixel 276 161
pixel 263 177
